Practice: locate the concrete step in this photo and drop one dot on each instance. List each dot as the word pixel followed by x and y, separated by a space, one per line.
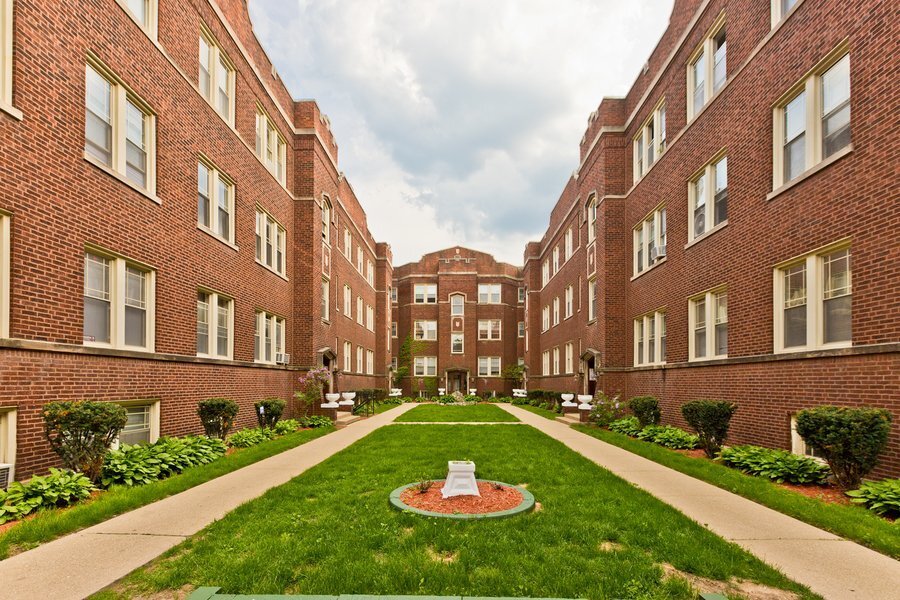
pixel 344 418
pixel 569 419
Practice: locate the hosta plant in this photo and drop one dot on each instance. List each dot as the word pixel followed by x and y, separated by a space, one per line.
pixel 882 497
pixel 627 426
pixel 669 437
pixel 60 488
pixel 777 465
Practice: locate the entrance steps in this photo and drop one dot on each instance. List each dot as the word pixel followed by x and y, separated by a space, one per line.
pixel 344 418
pixel 569 419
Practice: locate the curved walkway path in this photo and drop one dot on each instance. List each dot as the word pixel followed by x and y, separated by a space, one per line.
pixel 830 565
pixel 77 565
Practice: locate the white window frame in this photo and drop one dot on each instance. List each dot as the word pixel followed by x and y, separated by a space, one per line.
pixel 394 295
pixel 641 351
pixel 811 85
pixel 348 302
pixel 489 293
pixel 708 174
pixel 591 218
pixel 545 363
pixel 487 328
pixel 556 361
pixel 428 330
pixel 8 428
pixel 394 329
pixel 798 444
pixel 569 244
pixel 711 321
pixel 427 291
pixel 6 59
pixel 370 318
pixel 648 147
pixel 348 357
pixel 545 318
pixel 325 304
pixel 521 329
pixel 592 298
pixel 360 314
pixel 153 413
pixel 489 366
pixel 370 362
pixel 706 49
pixel 461 306
pixel 425 366
pixel 815 280
pixel 276 324
pixel 570 301
pixel 545 272
pixel 651 229
pixel 117 279
pixel 555 260
pixel 120 96
pixel 212 312
pixel 217 56
pixel 151 16
pixel 360 359
pixel 326 220
pixel 778 12
pixel 271 147
pixel 215 175
pixel 370 273
pixel 457 337
pixel 556 311
pixel 570 358
pixel 264 222
pixel 522 294
pixel 348 243
pixel 360 256
pixel 5 265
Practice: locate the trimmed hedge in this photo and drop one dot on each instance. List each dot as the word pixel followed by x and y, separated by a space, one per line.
pixel 272 409
pixel 882 497
pixel 81 432
pixel 139 465
pixel 646 409
pixel 217 416
pixel 710 419
pixel 849 439
pixel 777 465
pixel 59 488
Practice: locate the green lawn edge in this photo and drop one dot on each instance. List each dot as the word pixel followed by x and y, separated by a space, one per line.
pixel 438 413
pixel 851 522
pixel 543 412
pixel 51 524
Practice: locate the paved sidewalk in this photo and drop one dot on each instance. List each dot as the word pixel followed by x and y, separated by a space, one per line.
pixel 829 565
pixel 84 562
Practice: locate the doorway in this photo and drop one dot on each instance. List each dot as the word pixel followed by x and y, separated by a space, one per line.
pixel 458 381
pixel 590 376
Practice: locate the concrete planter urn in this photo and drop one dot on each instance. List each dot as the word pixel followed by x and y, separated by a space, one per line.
pixel 567 400
pixel 460 479
pixel 331 400
pixel 348 398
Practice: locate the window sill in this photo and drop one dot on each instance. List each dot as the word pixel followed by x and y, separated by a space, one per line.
pixel 808 348
pixel 270 269
pixel 103 346
pixel 215 236
pixel 11 110
pixel 810 172
pixel 215 357
pixel 650 268
pixel 707 359
pixel 706 234
pixel 115 174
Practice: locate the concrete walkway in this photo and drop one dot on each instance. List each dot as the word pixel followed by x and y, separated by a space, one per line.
pixel 829 565
pixel 85 562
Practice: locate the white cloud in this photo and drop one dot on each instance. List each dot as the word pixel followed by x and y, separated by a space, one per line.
pixel 458 121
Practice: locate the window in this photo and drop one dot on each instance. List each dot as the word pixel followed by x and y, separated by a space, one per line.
pixel 489 293
pixel 370 273
pixel 359 310
pixel 215 202
pixel 425 293
pixel 780 9
pixel 592 299
pixel 489 366
pixel 144 13
pixel 359 258
pixel 270 146
pixel 370 318
pixel 592 218
pixel 708 198
pixel 142 426
pixel 489 329
pixel 813 302
pixel 650 339
pixel 269 338
pixel 8 438
pixel 545 363
pixel 5 243
pixel 545 273
pixel 457 343
pixel 359 359
pixel 425 366
pixel 570 301
pixel 393 294
pixel 521 295
pixel 348 243
pixel 650 240
pixel 798 444
pixel 521 329
pixel 556 260
pixel 545 319
pixel 556 361
pixel 370 362
pixel 215 325
pixel 348 357
pixel 812 121
pixel 119 130
pixel 556 311
pixel 348 301
pixel 394 363
pixel 6 55
pixel 118 303
pixel 326 220
pixel 457 305
pixel 425 330
pixel 394 329
pixel 570 240
pixel 570 358
pixel 325 308
pixel 650 141
pixel 216 78
pixel 270 242
pixel 708 325
pixel 707 72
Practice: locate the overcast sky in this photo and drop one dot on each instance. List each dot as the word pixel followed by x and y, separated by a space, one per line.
pixel 458 121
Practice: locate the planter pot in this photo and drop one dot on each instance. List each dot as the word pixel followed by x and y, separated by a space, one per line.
pixel 460 479
pixel 330 398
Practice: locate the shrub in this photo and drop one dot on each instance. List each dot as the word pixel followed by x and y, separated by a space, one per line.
pixel 268 411
pixel 849 439
pixel 287 426
pixel 627 426
pixel 393 401
pixel 315 421
pixel 81 432
pixel 472 399
pixel 139 465
pixel 883 497
pixel 217 416
pixel 668 436
pixel 446 399
pixel 504 400
pixel 370 394
pixel 59 488
pixel 710 419
pixel 519 401
pixel 646 409
pixel 245 438
pixel 606 410
pixel 777 465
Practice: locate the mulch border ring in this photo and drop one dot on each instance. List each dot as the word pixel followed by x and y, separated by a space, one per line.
pixel 526 505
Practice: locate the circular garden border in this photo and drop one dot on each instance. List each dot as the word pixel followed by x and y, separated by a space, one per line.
pixel 526 505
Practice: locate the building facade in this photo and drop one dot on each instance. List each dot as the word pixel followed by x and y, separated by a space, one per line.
pixel 729 232
pixel 463 312
pixel 173 226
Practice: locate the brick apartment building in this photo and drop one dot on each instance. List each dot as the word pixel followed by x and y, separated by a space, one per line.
pixel 466 312
pixel 173 226
pixel 731 230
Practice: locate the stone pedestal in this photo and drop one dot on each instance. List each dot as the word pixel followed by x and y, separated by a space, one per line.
pixel 584 415
pixel 460 479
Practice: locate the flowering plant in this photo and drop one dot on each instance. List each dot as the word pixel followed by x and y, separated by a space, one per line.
pixel 606 410
pixel 311 385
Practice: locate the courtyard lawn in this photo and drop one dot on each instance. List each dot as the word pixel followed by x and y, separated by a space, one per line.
pixel 331 530
pixel 380 408
pixel 51 524
pixel 547 414
pixel 476 413
pixel 852 522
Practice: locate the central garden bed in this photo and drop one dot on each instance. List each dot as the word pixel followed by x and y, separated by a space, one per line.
pixel 496 500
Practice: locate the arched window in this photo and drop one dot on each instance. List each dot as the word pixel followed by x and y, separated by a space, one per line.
pixel 457 305
pixel 326 219
pixel 591 209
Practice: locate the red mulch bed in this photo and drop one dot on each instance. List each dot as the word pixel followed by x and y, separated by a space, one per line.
pixel 826 493
pixel 491 500
pixel 695 453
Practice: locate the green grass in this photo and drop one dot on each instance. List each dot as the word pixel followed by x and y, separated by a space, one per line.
pixel 547 414
pixel 476 413
pixel 380 408
pixel 51 524
pixel 851 522
pixel 331 530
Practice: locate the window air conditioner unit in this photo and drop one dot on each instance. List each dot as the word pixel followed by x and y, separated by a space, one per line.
pixel 657 253
pixel 282 359
pixel 6 475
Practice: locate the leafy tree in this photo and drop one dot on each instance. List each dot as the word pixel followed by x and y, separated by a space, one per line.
pixel 515 373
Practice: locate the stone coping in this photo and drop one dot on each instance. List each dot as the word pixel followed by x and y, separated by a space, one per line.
pixel 526 505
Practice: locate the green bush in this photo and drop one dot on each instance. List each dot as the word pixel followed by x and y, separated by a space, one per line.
pixel 471 398
pixel 371 394
pixel 393 401
pixel 668 436
pixel 627 426
pixel 286 426
pixel 606 410
pixel 272 409
pixel 315 421
pixel 59 488
pixel 245 438
pixel 217 416
pixel 646 409
pixel 139 465
pixel 503 400
pixel 882 497
pixel 710 419
pixel 777 465
pixel 81 432
pixel 446 399
pixel 849 439
pixel 519 401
